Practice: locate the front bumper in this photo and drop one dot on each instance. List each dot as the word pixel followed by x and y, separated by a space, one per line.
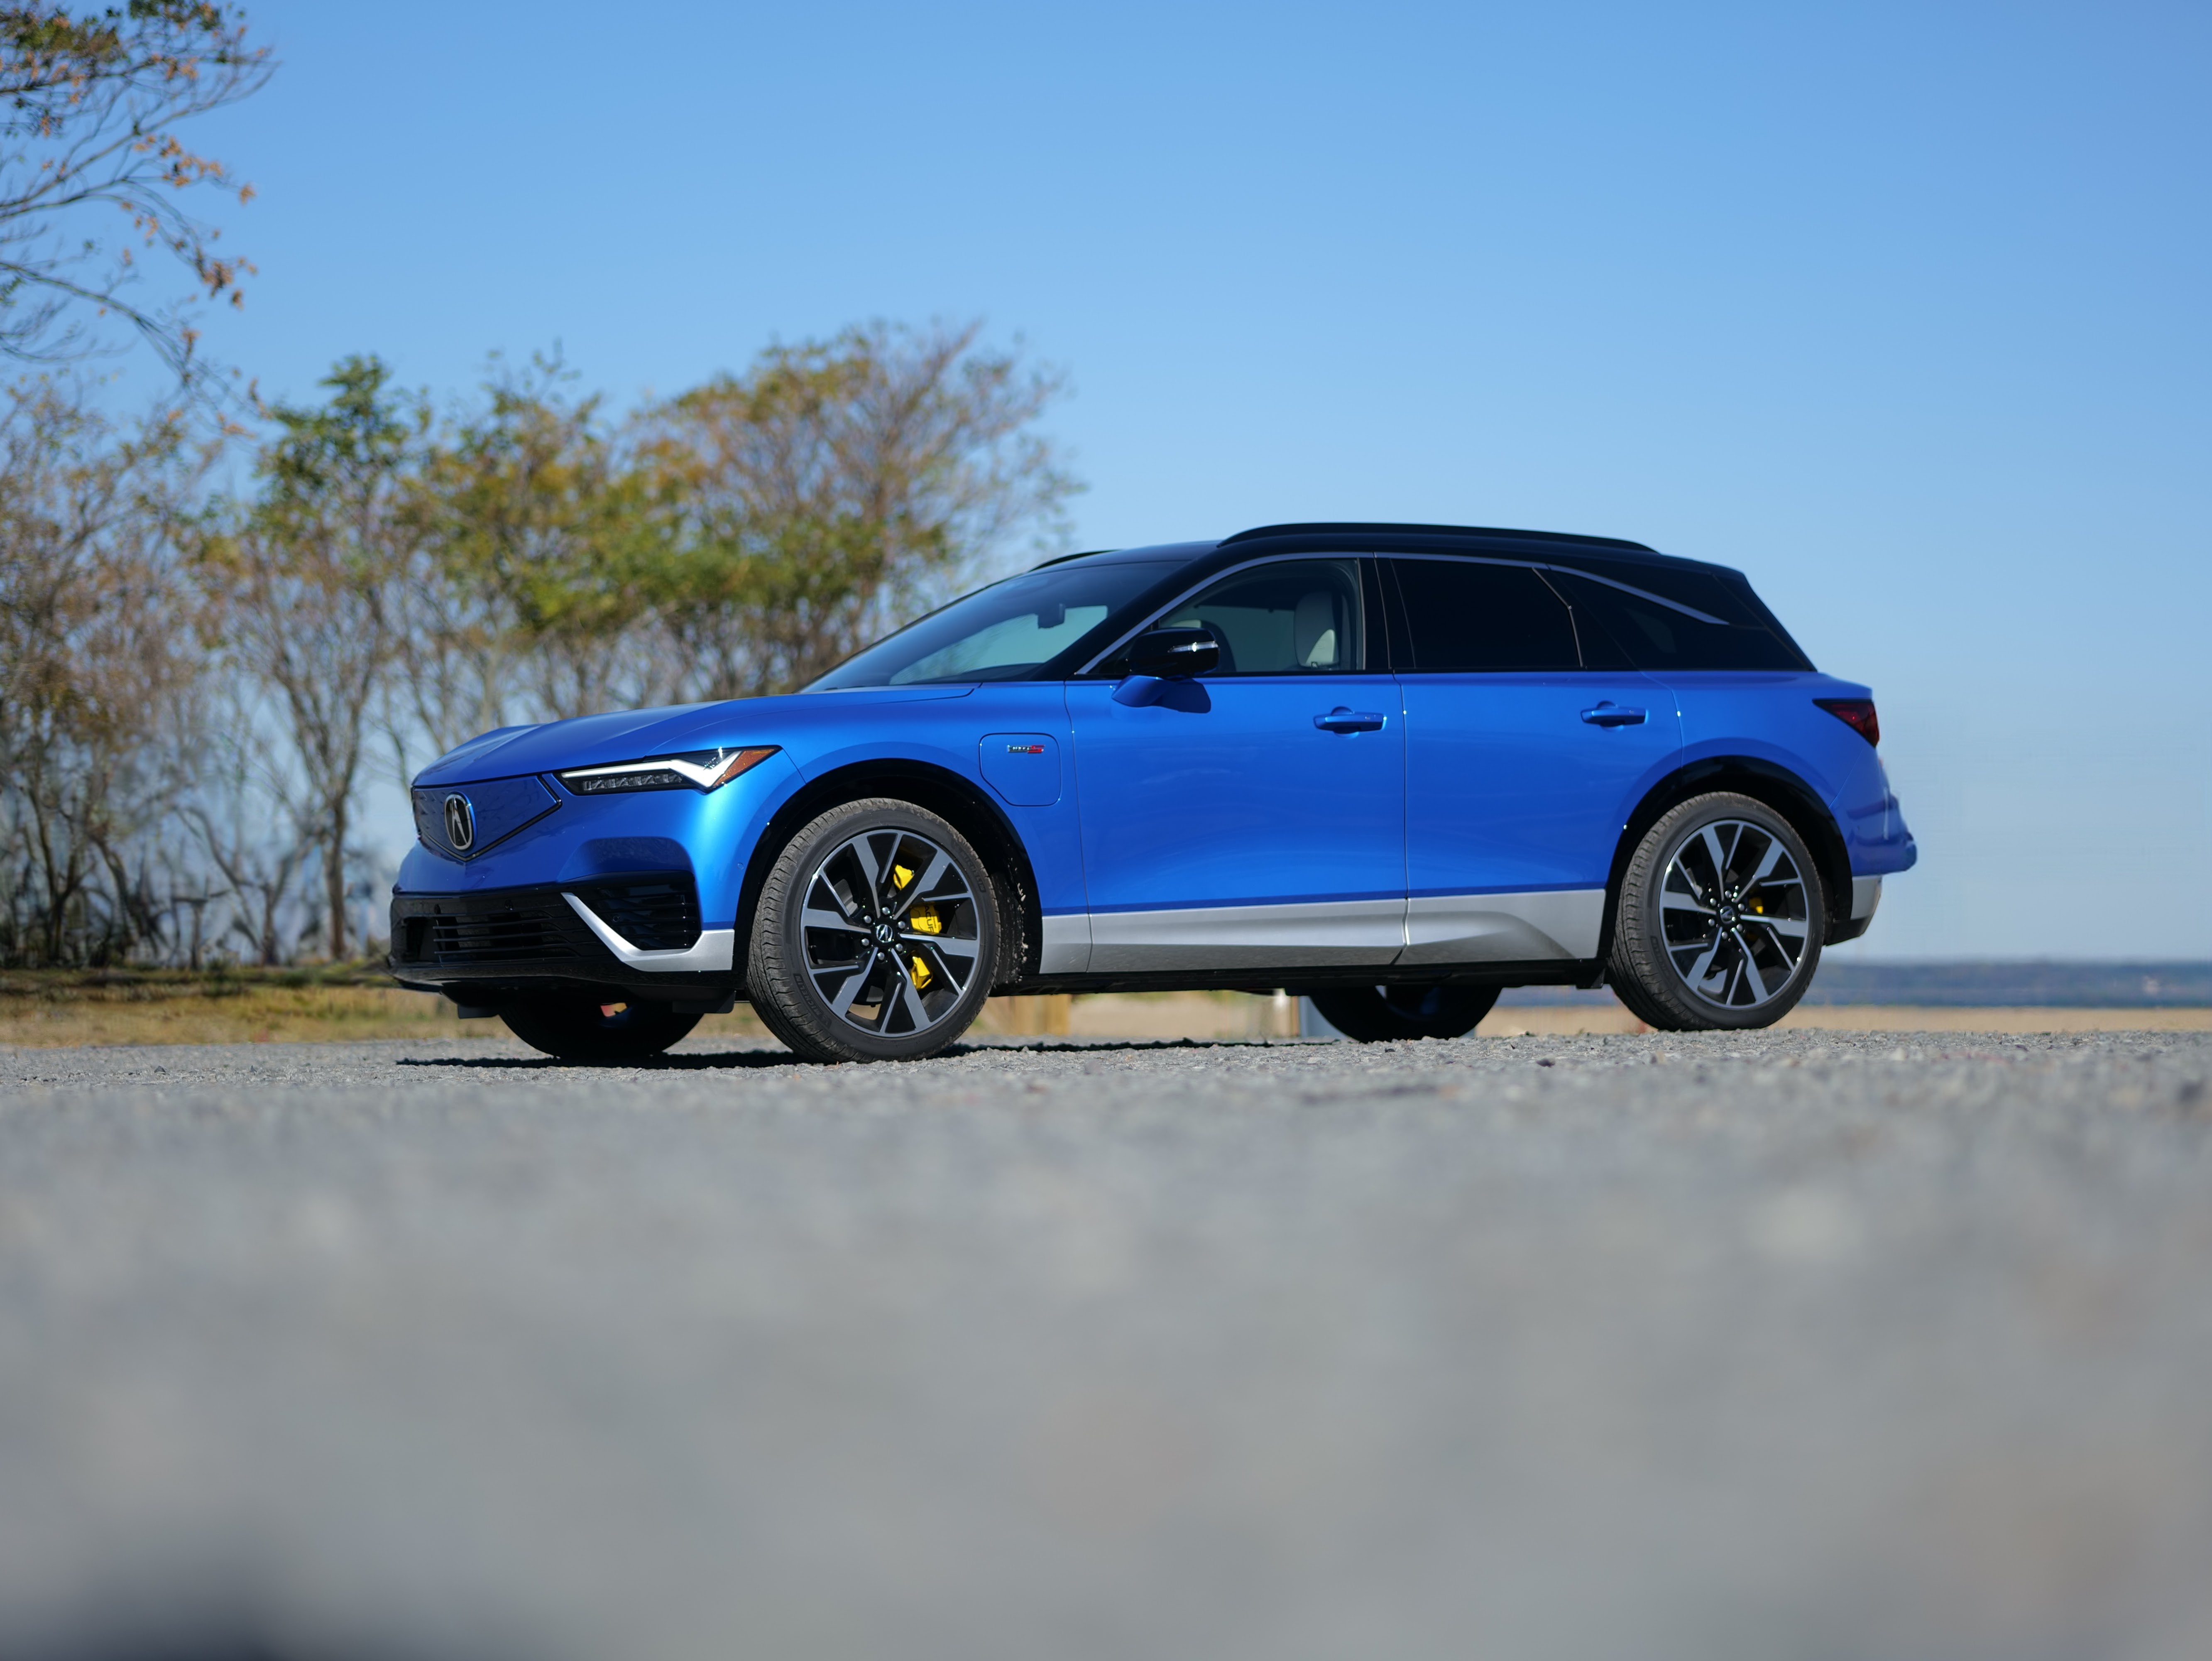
pixel 637 939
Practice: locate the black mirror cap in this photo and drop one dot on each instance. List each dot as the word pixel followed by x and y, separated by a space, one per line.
pixel 1174 653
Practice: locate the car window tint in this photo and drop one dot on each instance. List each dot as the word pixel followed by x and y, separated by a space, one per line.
pixel 1701 591
pixel 1461 615
pixel 1295 618
pixel 1659 637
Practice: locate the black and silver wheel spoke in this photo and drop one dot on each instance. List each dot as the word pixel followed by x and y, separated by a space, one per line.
pixel 1733 914
pixel 889 926
pixel 843 985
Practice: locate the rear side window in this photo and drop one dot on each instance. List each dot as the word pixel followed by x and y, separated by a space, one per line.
pixel 1657 636
pixel 1465 615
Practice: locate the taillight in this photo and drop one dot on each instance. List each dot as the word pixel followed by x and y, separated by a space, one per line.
pixel 1858 714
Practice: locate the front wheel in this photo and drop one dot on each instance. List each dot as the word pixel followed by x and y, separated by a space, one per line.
pixel 585 1030
pixel 1378 1014
pixel 876 938
pixel 1721 920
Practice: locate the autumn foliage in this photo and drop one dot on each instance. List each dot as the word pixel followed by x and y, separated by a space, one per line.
pixel 199 688
pixel 197 692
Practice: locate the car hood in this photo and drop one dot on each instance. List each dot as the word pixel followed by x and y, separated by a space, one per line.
pixel 641 734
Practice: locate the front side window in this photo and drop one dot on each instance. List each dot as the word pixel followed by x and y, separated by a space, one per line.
pixel 1301 616
pixel 1464 616
pixel 1005 632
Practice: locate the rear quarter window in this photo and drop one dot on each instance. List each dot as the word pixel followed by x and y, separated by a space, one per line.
pixel 1654 635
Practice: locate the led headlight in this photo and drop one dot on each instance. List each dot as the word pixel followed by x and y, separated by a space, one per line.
pixel 693 769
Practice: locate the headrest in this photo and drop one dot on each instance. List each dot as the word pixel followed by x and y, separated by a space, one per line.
pixel 1313 633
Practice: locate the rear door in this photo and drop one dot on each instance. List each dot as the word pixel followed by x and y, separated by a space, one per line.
pixel 1522 761
pixel 1254 817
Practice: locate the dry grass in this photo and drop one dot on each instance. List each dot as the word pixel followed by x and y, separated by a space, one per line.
pixel 312 1006
pixel 55 1009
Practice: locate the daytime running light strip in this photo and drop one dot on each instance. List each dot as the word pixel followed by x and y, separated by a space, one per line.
pixel 720 772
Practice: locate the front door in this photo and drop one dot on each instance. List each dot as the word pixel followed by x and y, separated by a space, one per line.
pixel 1523 761
pixel 1254 817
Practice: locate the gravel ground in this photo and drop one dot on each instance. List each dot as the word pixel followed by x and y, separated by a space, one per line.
pixel 1780 1346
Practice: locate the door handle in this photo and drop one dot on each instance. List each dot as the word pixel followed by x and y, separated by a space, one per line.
pixel 1341 719
pixel 1609 714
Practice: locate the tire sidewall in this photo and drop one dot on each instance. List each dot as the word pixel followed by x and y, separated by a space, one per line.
pixel 1652 986
pixel 792 1008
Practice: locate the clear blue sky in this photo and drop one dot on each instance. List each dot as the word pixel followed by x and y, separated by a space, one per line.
pixel 1902 308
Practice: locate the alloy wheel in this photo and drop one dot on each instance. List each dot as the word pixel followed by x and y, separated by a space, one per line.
pixel 891 932
pixel 1735 918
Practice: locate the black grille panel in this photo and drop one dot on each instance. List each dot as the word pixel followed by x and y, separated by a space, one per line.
pixel 498 807
pixel 499 929
pixel 654 914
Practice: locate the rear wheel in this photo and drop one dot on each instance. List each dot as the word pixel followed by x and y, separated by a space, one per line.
pixel 1721 920
pixel 876 938
pixel 1376 1014
pixel 582 1028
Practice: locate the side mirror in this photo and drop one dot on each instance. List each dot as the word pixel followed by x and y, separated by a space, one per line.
pixel 1174 653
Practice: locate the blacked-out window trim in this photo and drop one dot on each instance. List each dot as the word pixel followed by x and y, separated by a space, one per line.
pixel 1644 593
pixel 1725 646
pixel 1381 640
pixel 1594 639
pixel 1542 566
pixel 1574 622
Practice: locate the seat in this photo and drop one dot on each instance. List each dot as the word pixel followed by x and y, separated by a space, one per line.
pixel 1314 631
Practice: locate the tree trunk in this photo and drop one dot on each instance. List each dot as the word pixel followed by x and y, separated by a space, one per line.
pixel 334 882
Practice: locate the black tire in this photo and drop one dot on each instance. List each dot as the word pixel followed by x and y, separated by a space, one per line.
pixel 1633 1000
pixel 1378 1014
pixel 1721 918
pixel 582 1028
pixel 833 890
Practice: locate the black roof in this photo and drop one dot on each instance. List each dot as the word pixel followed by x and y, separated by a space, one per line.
pixel 1348 536
pixel 1632 564
pixel 1541 546
pixel 1338 529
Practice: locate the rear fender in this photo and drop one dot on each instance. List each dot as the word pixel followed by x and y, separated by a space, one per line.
pixel 1763 780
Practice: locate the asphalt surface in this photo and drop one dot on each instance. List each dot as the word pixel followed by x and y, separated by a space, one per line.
pixel 1813 1345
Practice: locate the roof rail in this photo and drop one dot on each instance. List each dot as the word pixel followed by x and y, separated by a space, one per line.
pixel 1258 532
pixel 1062 559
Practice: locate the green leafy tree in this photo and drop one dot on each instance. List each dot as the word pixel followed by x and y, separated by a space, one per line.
pixel 308 576
pixel 524 595
pixel 834 489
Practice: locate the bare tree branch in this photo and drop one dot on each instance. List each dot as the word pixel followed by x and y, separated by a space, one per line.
pixel 92 104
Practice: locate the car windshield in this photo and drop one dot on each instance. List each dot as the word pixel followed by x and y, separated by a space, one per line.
pixel 1004 632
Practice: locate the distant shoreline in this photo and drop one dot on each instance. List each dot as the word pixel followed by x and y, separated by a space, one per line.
pixel 1973 985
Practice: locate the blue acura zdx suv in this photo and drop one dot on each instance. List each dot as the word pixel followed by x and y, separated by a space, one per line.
pixel 1394 767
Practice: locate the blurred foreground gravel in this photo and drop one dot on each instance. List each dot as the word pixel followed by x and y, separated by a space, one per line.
pixel 1798 1345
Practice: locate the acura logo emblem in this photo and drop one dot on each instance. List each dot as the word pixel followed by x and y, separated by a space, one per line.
pixel 460 823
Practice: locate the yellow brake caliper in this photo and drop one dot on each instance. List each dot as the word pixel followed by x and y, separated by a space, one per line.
pixel 922 919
